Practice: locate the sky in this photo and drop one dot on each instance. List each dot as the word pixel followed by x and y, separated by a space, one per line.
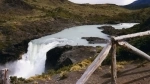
pixel 118 2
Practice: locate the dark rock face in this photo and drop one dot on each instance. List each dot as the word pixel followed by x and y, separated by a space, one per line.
pixel 108 30
pixel 53 56
pixel 13 52
pixel 18 3
pixel 106 27
pixel 112 31
pixel 95 40
pixel 67 55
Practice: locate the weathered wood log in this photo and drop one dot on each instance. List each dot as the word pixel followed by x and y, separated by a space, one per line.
pixel 132 35
pixel 97 62
pixel 3 76
pixel 113 64
pixel 134 50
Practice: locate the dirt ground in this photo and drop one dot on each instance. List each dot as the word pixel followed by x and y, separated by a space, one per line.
pixel 133 73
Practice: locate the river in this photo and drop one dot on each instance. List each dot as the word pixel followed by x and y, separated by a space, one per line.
pixel 33 62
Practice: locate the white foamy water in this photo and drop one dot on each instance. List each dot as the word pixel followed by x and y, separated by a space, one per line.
pixel 33 62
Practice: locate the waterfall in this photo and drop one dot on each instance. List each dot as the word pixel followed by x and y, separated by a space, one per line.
pixel 33 62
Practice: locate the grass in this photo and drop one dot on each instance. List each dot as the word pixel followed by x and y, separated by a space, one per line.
pixel 42 77
pixel 15 80
pixel 63 75
pixel 82 65
pixel 120 65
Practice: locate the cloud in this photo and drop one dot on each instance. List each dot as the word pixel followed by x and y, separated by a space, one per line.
pixel 118 2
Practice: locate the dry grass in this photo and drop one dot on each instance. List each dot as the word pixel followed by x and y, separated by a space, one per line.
pixel 63 72
pixel 80 66
pixel 63 75
pixel 120 65
pixel 42 77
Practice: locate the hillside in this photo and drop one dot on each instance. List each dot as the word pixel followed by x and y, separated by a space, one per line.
pixel 30 19
pixel 139 4
pixel 64 9
pixel 24 20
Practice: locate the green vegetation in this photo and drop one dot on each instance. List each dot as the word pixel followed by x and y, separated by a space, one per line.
pixel 141 43
pixel 34 10
pixel 15 80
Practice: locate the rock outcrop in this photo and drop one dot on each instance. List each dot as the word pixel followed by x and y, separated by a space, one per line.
pixel 95 40
pixel 67 55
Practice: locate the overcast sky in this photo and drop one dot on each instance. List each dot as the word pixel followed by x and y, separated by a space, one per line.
pixel 118 2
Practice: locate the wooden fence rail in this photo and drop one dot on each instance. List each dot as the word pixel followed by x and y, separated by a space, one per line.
pixel 134 50
pixel 132 35
pixel 112 46
pixel 97 62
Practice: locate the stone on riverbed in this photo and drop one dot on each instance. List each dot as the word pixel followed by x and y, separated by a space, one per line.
pixel 95 40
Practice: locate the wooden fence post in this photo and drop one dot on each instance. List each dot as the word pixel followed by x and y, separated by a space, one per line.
pixel 4 76
pixel 113 62
pixel 97 62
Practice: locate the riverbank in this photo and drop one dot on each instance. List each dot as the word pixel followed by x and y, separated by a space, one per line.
pixel 129 73
pixel 17 43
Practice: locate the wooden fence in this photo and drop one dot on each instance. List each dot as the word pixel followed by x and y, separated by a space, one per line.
pixel 3 76
pixel 112 46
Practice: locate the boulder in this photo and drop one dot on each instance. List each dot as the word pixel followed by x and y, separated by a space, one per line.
pixel 106 27
pixel 67 55
pixel 54 55
pixel 95 40
pixel 109 30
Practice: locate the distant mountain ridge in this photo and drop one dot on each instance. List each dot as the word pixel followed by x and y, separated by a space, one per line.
pixel 138 4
